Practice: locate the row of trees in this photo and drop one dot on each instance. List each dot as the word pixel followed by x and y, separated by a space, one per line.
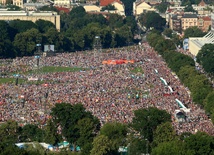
pixel 152 19
pixel 184 66
pixel 205 58
pixel 78 30
pixel 149 132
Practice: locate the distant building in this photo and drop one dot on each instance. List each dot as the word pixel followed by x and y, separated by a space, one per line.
pixel 174 2
pixel 141 7
pixel 62 9
pixel 31 16
pixel 33 6
pixel 204 23
pixel 120 8
pixel 189 20
pixel 18 3
pixel 3 2
pixel 153 1
pixel 175 23
pixel 91 8
pixel 108 2
pixel 62 3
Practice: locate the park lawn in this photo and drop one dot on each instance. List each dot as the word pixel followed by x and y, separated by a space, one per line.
pixel 52 69
pixel 10 80
pixel 21 81
pixel 137 70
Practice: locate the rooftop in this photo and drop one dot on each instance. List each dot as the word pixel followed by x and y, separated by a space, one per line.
pixel 107 2
pixel 202 3
pixel 190 16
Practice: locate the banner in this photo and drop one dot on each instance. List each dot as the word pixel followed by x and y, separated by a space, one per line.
pixel 32 79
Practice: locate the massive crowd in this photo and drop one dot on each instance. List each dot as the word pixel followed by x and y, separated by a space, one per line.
pixel 110 92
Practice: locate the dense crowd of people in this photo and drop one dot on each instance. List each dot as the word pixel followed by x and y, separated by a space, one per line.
pixel 110 92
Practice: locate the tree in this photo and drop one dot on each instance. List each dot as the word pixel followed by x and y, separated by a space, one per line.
pixel 193 32
pixel 67 117
pixel 123 36
pixel 90 31
pixel 88 129
pixel 189 2
pixel 205 57
pixel 77 12
pixel 51 136
pixel 106 37
pixel 9 132
pixel 145 121
pixel 200 88
pixel 138 146
pixel 116 133
pixel 153 38
pixel 200 143
pixel 152 20
pixel 186 74
pixel 131 22
pixel 162 7
pixel 115 21
pixel 9 2
pixel 163 45
pixel 189 8
pixel 178 60
pixel 13 7
pixel 30 133
pixel 44 25
pixel 168 32
pixel 176 39
pixel 169 148
pixel 48 8
pixel 25 42
pixel 6 47
pixel 108 8
pixel 164 133
pixel 60 42
pixel 209 106
pixel 22 26
pixel 11 149
pixel 101 145
pixel 128 7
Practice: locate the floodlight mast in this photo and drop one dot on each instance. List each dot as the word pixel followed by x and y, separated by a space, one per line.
pixel 97 44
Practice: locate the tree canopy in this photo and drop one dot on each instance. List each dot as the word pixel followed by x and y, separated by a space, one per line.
pixel 193 32
pixel 152 20
pixel 145 121
pixel 205 57
pixel 71 119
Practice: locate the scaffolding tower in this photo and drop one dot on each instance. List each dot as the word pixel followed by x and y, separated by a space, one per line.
pixel 97 44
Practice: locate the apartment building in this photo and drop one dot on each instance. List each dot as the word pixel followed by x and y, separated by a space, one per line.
pixel 189 20
pixel 62 3
pixel 18 3
pixel 204 23
pixel 175 23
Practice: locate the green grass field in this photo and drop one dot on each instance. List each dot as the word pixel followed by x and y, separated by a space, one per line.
pixel 43 70
pixel 137 70
pixel 10 80
pixel 52 69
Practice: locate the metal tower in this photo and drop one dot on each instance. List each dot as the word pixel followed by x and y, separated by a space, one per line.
pixel 97 44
